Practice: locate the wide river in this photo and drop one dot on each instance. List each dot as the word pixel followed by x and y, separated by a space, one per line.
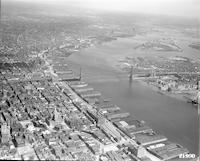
pixel 176 119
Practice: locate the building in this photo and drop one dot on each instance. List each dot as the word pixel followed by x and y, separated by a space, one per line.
pixel 109 128
pixel 5 133
pixel 149 137
pixel 198 85
pixel 57 117
pixel 166 150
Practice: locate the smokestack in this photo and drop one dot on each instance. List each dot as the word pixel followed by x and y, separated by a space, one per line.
pixel 131 73
pixel 80 73
pixel 0 13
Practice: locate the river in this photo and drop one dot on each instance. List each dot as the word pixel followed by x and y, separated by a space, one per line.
pixel 176 119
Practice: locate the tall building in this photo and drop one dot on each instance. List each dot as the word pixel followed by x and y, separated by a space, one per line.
pixel 5 133
pixel 141 152
pixel 57 117
pixel 4 95
pixel 109 128
pixel 198 85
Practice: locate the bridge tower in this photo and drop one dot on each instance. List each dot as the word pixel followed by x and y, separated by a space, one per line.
pixel 153 73
pixel 80 74
pixel 131 73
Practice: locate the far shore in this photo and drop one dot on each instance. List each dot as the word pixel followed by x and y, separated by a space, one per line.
pixel 172 95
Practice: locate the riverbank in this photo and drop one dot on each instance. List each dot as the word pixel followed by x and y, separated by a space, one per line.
pixel 179 96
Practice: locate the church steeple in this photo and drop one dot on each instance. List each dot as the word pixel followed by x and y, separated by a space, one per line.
pixel 57 118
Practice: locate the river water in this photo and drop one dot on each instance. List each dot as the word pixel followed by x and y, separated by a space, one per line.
pixel 176 119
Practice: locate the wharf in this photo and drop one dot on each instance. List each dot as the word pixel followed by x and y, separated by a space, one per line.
pixel 117 115
pixel 81 85
pixel 110 109
pixel 91 94
pixel 82 90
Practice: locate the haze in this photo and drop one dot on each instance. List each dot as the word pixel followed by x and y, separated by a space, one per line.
pixel 186 8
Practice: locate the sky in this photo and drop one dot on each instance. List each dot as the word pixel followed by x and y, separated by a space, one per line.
pixel 188 8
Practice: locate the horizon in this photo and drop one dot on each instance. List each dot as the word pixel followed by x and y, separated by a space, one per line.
pixel 180 8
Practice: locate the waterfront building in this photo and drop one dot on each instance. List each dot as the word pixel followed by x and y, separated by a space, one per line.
pixel 109 128
pixel 166 150
pixel 146 138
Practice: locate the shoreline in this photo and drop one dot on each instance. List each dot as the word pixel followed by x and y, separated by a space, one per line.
pixel 180 97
